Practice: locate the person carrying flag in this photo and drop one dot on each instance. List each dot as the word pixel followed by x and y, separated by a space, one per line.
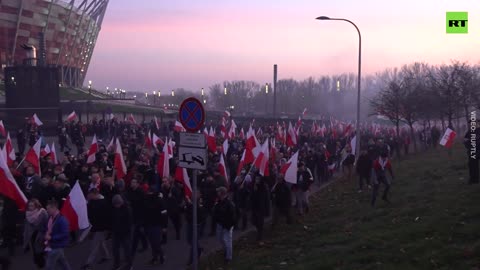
pixel 380 167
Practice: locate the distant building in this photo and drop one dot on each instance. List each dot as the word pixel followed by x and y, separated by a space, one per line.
pixel 70 30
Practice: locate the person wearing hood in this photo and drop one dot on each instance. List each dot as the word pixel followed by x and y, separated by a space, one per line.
pixel 99 211
pixel 36 218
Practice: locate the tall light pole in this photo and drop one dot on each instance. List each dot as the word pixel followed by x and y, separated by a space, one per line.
pixel 90 87
pixel 266 99
pixel 154 97
pixel 357 125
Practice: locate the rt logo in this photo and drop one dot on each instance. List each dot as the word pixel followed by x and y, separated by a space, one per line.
pixel 457 22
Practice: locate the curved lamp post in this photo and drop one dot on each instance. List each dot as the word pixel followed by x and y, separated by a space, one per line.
pixel 357 126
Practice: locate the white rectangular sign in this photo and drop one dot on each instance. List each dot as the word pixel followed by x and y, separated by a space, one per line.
pixel 192 158
pixel 193 140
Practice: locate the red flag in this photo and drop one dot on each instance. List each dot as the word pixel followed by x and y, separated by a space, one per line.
pixel 75 209
pixel 291 136
pixel 45 151
pixel 2 129
pixel 163 166
pixel 53 154
pixel 179 127
pixel 448 138
pixel 10 151
pixel 242 163
pixel 227 114
pixel 9 187
pixel 181 176
pixel 71 117
pixel 119 163
pixel 148 139
pixel 131 119
pixel 223 168
pixel 171 145
pixel 156 122
pixel 231 132
pixel 93 150
pixel 156 140
pixel 261 162
pixel 212 144
pixel 242 134
pixel 33 156
pixel 223 128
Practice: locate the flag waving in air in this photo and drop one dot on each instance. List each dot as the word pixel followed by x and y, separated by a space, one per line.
pixel 36 120
pixel 9 187
pixel 71 117
pixel 448 137
pixel 290 169
pixel 75 209
pixel 93 150
pixel 181 176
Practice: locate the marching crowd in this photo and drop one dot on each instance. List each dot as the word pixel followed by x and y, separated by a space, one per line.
pixel 131 213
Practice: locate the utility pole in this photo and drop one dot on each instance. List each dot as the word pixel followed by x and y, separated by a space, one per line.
pixel 275 91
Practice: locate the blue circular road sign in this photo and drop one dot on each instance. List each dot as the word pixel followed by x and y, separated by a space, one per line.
pixel 192 114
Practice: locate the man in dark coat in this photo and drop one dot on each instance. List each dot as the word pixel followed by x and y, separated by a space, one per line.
pixel 282 200
pixel 136 198
pixel 260 204
pixel 122 223
pixel 364 169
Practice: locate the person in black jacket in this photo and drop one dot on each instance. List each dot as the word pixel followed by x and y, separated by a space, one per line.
pixel 282 201
pixel 136 198
pixel 122 222
pixel 173 195
pixel 224 215
pixel 259 202
pixel 364 169
pixel 209 195
pixel 156 218
pixel 98 215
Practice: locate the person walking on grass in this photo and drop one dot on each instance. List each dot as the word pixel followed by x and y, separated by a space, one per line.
pixel 380 167
pixel 364 170
pixel 224 215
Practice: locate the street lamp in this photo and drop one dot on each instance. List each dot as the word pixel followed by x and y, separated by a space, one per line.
pixel 202 92
pixel 154 97
pixel 90 87
pixel 159 94
pixel 225 90
pixel 357 126
pixel 266 98
pixel 338 85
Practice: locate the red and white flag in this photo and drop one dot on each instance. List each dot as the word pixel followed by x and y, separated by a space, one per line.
pixel 156 122
pixel 227 114
pixel 71 117
pixel 36 120
pixel 353 144
pixel 45 151
pixel 10 151
pixel 242 163
pixel 181 176
pixel 9 187
pixel 131 119
pixel 179 127
pixel 93 150
pixel 53 154
pixel 3 131
pixel 111 145
pixel 223 169
pixel 163 166
pixel 290 169
pixel 242 134
pixel 156 140
pixel 448 137
pixel 33 156
pixel 211 141
pixel 223 128
pixel 171 145
pixel 231 131
pixel 291 136
pixel 261 162
pixel 119 162
pixel 75 209
pixel 148 139
pixel 304 112
pixel 225 147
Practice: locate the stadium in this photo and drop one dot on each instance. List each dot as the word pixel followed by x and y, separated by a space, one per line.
pixel 63 32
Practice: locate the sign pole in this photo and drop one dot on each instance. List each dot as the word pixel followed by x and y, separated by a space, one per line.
pixel 195 232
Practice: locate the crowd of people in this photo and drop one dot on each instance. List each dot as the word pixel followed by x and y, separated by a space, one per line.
pixel 131 214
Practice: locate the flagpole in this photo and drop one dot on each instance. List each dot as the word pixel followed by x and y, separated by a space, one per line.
pixel 20 163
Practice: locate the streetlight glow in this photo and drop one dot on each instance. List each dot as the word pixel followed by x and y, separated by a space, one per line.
pixel 266 88
pixel 338 85
pixel 154 93
pixel 146 94
pixel 225 91
pixel 159 94
pixel 173 93
pixel 202 91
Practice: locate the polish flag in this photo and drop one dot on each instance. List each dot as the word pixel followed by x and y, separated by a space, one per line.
pixel 259 132
pixel 353 144
pixel 298 124
pixel 304 112
pixel 53 154
pixel 163 166
pixel 156 140
pixel 119 163
pixel 223 169
pixel 33 156
pixel 36 120
pixel 75 209
pixel 9 187
pixel 71 117
pixel 223 128
pixel 156 122
pixel 45 151
pixel 171 145
pixel 2 129
pixel 179 127
pixel 291 136
pixel 10 151
pixel 273 150
pixel 148 139
pixel 250 145
pixel 225 147
pixel 231 131
pixel 314 128
pixel 227 114
pixel 181 176
pixel 242 134
pixel 289 170
pixel 448 137
pixel 242 163
pixel 261 162
pixel 348 129
pixel 131 119
pixel 111 145
pixel 212 144
pixel 93 150
pixel 323 130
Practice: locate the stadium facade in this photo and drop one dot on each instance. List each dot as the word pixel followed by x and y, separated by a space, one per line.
pixel 64 33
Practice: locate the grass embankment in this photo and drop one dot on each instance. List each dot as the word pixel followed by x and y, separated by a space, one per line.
pixel 433 222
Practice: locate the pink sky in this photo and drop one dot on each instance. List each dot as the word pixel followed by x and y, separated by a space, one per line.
pixel 159 46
